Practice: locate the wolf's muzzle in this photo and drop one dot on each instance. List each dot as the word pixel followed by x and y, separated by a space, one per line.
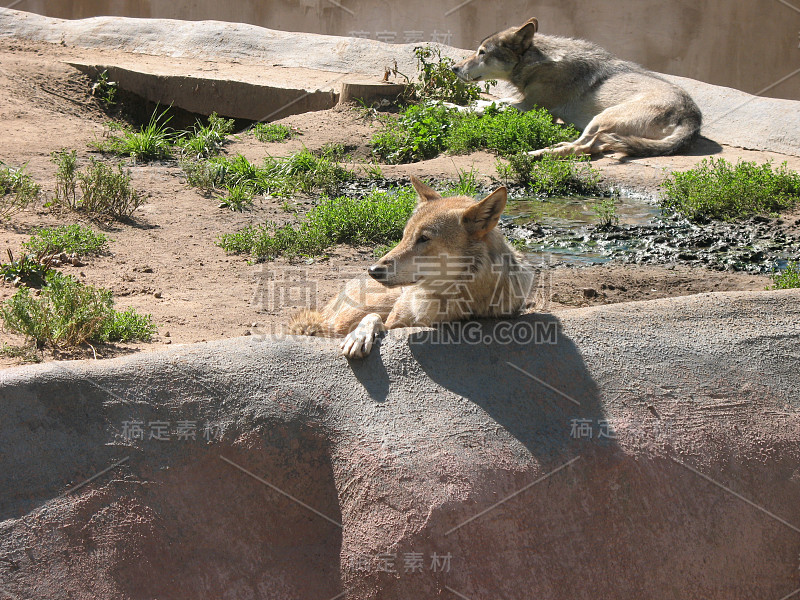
pixel 379 273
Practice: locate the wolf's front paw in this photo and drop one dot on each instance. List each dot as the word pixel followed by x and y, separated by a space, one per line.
pixel 358 343
pixel 539 153
pixel 458 107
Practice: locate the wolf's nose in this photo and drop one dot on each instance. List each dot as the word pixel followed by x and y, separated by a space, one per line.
pixel 378 272
pixel 455 69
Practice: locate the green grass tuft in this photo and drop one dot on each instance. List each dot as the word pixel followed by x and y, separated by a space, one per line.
pixel 718 189
pixel 153 141
pixel 552 176
pixel 379 218
pixel 465 185
pixel 272 132
pixel 303 171
pixel 205 140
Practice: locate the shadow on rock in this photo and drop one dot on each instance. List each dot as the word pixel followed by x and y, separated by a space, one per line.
pixel 525 373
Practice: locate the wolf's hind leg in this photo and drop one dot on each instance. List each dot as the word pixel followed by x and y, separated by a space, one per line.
pixel 358 343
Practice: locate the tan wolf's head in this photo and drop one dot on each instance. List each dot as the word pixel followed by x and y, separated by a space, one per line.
pixel 444 240
pixel 498 54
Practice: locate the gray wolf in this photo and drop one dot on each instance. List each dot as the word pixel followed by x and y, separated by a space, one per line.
pixel 451 264
pixel 618 105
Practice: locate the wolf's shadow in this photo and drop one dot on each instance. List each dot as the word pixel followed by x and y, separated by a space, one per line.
pixel 526 374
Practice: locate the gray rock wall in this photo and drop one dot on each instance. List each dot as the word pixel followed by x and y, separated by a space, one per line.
pixel 324 476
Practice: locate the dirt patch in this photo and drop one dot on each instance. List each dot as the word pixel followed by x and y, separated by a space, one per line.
pixel 166 262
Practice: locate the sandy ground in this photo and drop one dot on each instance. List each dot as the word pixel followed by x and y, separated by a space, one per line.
pixel 166 262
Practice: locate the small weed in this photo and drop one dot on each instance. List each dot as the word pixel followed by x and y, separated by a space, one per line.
pixel 606 211
pixel 153 141
pixel 372 170
pixel 128 326
pixel 717 189
pixel 204 174
pixel 68 313
pixel 436 80
pixel 104 90
pixel 66 178
pixel 100 190
pixel 272 132
pixel 30 269
pixel 72 239
pixel 378 218
pixel 17 190
pixel 206 140
pixel 466 185
pixel 27 353
pixel 788 278
pixel 552 176
pixel 107 191
pixel 238 198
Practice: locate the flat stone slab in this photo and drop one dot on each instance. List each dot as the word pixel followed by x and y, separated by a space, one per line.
pixel 731 117
pixel 265 95
pixel 648 450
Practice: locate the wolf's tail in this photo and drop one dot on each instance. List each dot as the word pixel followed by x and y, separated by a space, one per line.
pixel 632 145
pixel 309 322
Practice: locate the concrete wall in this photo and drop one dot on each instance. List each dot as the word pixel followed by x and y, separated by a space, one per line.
pixel 752 45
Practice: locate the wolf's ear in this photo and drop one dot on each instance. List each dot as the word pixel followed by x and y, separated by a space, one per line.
pixel 524 36
pixel 481 218
pixel 425 192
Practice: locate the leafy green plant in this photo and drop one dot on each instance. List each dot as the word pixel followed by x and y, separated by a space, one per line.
pixel 71 239
pixel 437 81
pixel 27 353
pixel 272 132
pixel 203 141
pixel 29 269
pixel 153 141
pixel 17 190
pixel 606 211
pixel 718 189
pixel 99 190
pixel 106 191
pixel 239 197
pixel 104 90
pixel 418 134
pixel 553 176
pixel 127 326
pixel 788 278
pixel 507 131
pixel 465 185
pixel 66 178
pixel 68 313
pixel 424 130
pixel 376 219
pixel 372 170
pixel 203 174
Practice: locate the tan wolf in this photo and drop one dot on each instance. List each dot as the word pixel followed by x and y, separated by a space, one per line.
pixel 451 264
pixel 619 106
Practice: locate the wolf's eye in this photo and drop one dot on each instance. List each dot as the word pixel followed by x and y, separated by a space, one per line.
pixel 481 52
pixel 422 239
